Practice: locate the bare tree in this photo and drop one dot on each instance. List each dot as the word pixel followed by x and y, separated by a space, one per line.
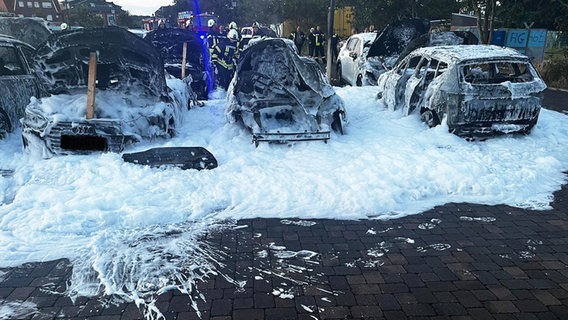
pixel 485 12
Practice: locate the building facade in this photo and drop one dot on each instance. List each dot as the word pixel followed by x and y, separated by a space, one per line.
pixel 46 9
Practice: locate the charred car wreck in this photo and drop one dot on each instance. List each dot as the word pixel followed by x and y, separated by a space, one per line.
pixel 131 87
pixel 480 89
pixel 280 96
pixel 170 43
pixel 17 82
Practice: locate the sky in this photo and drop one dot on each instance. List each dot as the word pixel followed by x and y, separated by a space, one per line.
pixel 146 8
pixel 91 209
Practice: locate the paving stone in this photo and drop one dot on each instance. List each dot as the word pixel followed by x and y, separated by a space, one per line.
pixel 482 276
pixel 249 314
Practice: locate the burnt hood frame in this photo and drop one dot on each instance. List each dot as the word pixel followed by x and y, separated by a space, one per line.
pixel 124 60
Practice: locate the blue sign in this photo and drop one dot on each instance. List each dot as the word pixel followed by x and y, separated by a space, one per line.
pixel 517 38
pixel 537 38
pixel 499 37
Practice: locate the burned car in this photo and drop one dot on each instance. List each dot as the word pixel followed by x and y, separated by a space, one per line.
pixel 480 89
pixel 170 43
pixel 134 100
pixel 17 82
pixel 280 96
pixel 365 56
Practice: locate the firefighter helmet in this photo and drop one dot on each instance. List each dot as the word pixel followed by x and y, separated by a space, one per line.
pixel 211 23
pixel 233 35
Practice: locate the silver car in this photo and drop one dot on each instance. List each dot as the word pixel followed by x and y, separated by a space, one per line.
pixel 480 89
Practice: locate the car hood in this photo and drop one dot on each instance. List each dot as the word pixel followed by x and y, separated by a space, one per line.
pixel 125 62
pixel 396 36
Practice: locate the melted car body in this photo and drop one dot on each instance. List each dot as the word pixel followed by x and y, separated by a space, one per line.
pixel 127 67
pixel 480 89
pixel 17 82
pixel 280 96
pixel 170 42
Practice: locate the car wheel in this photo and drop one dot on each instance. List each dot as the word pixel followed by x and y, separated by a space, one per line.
pixel 359 81
pixel 430 117
pixel 5 126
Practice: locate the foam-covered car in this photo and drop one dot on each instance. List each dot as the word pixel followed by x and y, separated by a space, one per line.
pixel 17 82
pixel 170 43
pixel 279 96
pixel 133 98
pixel 481 90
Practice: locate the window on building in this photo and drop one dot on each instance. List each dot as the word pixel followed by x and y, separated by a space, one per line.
pixel 29 4
pixel 20 4
pixel 46 5
pixel 36 4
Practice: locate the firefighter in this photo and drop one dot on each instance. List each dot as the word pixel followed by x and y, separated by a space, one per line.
pixel 226 61
pixel 233 26
pixel 319 42
pixel 298 37
pixel 311 42
pixel 212 42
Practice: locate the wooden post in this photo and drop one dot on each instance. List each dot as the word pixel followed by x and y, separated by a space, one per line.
pixel 183 60
pixel 92 81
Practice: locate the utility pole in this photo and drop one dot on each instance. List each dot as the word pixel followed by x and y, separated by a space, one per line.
pixel 330 18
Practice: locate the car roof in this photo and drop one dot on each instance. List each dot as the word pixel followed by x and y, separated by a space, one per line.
pixel 9 39
pixel 457 53
pixel 366 36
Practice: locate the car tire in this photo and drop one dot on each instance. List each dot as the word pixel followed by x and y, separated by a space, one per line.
pixel 5 126
pixel 430 117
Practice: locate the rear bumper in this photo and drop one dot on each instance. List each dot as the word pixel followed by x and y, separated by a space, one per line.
pixel 483 117
pixel 290 137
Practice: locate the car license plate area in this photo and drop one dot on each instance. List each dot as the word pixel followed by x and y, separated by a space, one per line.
pixel 83 143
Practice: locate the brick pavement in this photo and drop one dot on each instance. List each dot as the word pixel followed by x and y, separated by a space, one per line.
pixel 457 261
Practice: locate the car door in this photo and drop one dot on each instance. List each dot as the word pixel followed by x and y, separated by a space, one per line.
pixel 413 89
pixel 17 85
pixel 394 82
pixel 349 62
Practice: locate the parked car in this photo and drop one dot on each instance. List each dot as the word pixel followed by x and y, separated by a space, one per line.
pixel 352 58
pixel 139 102
pixel 365 56
pixel 480 89
pixel 279 96
pixel 17 82
pixel 170 42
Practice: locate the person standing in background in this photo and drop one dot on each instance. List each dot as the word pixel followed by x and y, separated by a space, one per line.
pixel 299 38
pixel 319 43
pixel 311 42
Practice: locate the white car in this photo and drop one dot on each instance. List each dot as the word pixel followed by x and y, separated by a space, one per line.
pixel 352 58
